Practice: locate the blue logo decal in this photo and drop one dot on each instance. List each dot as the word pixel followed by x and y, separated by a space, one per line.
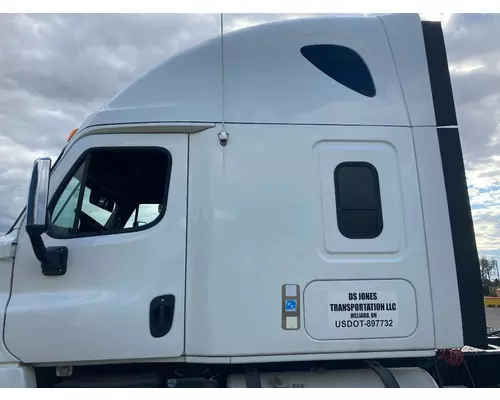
pixel 291 305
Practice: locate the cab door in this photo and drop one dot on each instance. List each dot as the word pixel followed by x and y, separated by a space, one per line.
pixel 121 213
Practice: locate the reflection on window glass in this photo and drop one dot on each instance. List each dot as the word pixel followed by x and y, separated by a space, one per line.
pixel 115 182
pixel 100 215
pixel 147 213
pixel 63 215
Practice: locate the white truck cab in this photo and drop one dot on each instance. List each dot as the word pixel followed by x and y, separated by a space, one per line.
pixel 294 192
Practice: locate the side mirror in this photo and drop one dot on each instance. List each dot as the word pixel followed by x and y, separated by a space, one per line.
pixel 53 259
pixel 38 197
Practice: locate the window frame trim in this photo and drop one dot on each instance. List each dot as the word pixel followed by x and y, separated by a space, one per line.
pixel 77 164
pixel 378 198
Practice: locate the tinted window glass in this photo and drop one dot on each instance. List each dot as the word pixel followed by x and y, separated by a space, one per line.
pixel 357 196
pixel 63 215
pixel 108 187
pixel 342 64
pixel 143 215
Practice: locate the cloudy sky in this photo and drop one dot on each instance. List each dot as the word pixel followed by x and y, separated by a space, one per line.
pixel 56 69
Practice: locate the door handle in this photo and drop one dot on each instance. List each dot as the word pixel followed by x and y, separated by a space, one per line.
pixel 161 315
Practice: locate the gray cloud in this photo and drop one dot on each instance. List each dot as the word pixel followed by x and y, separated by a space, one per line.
pixel 474 57
pixel 470 44
pixel 56 69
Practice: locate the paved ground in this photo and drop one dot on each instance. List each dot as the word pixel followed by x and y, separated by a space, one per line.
pixel 493 317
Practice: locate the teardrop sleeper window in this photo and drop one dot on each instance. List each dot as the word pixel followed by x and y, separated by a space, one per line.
pixel 343 65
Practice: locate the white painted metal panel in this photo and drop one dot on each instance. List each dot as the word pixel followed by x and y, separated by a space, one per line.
pixel 99 310
pixel 267 80
pixel 256 222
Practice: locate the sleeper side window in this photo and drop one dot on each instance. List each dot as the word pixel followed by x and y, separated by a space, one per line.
pixel 109 190
pixel 357 195
pixel 342 64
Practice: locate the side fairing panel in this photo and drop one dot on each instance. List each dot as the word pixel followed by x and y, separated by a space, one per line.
pixel 411 63
pixel 262 215
pixel 443 274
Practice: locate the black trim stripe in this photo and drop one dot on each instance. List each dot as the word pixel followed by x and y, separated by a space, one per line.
pixel 437 61
pixel 464 241
pixel 462 226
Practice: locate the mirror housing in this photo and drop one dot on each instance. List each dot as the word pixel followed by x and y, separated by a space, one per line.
pixel 38 197
pixel 99 199
pixel 53 259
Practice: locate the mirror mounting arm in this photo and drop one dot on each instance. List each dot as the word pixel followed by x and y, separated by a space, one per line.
pixel 53 259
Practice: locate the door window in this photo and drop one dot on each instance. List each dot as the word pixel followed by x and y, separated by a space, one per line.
pixel 112 190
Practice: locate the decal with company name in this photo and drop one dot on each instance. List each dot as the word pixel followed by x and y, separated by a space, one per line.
pixel 363 310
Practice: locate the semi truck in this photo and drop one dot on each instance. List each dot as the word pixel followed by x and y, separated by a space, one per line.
pixel 280 206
